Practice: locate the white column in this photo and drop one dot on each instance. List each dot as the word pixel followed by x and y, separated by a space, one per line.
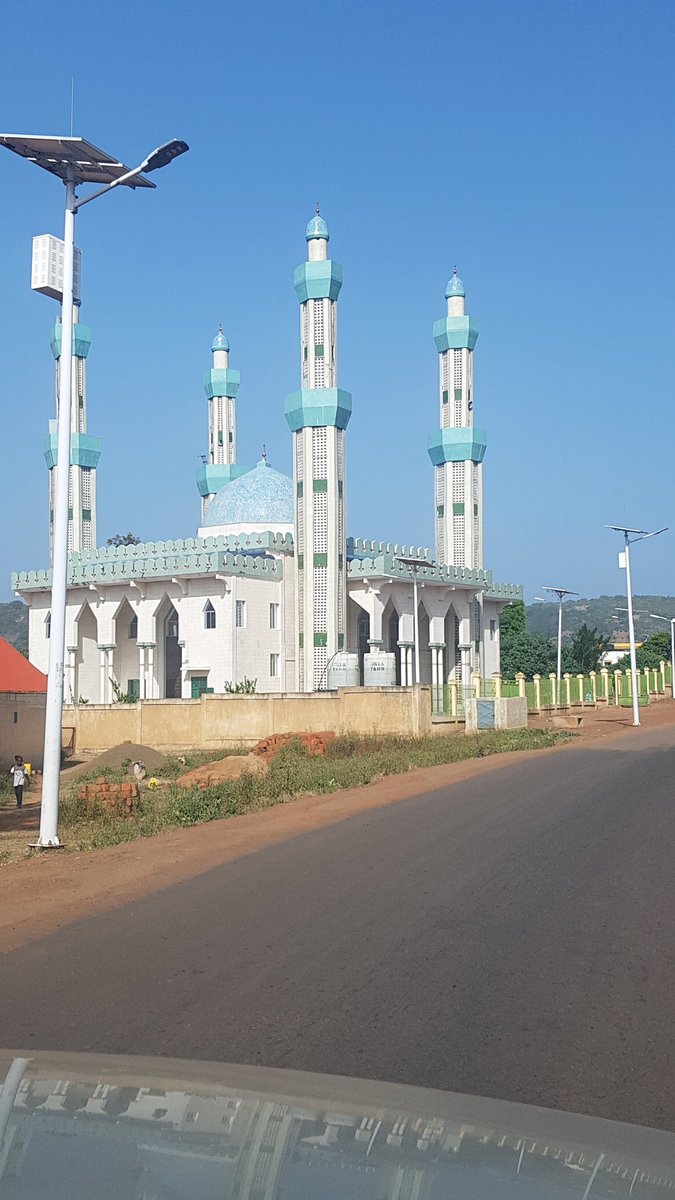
pixel 102 670
pixel 151 673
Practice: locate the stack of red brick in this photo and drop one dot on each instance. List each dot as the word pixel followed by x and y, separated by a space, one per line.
pixel 120 798
pixel 315 743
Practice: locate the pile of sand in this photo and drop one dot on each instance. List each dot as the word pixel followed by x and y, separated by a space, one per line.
pixel 115 757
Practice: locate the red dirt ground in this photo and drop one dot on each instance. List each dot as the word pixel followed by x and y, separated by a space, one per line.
pixel 41 894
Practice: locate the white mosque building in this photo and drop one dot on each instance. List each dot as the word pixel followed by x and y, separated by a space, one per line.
pixel 271 588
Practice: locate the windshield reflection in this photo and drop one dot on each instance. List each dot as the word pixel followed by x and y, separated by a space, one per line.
pixel 100 1133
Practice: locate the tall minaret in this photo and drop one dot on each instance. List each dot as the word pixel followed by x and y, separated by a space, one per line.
pixel 318 416
pixel 221 385
pixel 85 450
pixel 457 450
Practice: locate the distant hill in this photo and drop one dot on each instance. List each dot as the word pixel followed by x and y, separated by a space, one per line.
pixel 597 613
pixel 14 624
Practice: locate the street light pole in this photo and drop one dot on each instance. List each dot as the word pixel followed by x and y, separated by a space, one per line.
pixel 414 564
pixel 51 765
pixel 641 534
pixel 657 617
pixel 74 161
pixel 560 593
pixel 631 633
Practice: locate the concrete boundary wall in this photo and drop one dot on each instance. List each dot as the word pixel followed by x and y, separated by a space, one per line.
pixel 215 721
pixel 22 727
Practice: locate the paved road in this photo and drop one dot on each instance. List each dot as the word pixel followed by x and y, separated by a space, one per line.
pixel 511 936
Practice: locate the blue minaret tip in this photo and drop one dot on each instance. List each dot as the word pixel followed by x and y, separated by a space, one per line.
pixel 316 228
pixel 455 286
pixel 220 342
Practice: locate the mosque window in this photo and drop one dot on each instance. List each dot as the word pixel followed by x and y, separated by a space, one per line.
pixel 133 629
pixel 457 366
pixel 318 321
pixel 210 615
pixel 275 610
pixel 320 453
pixel 240 618
pixel 220 437
pixel 48 625
pixel 274 665
pixel 318 349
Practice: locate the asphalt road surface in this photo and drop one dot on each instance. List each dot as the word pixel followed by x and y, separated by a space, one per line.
pixel 511 936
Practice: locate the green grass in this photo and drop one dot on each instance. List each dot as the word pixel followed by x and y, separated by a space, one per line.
pixel 349 762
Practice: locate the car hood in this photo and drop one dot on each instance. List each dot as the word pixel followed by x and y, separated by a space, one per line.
pixel 161 1129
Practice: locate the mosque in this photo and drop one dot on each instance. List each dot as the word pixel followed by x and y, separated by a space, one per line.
pixel 272 589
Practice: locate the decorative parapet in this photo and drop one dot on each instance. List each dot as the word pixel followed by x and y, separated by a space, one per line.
pixel 459 444
pixel 85 449
pixel 211 477
pixel 455 333
pixel 320 280
pixel 318 406
pixel 221 381
pixel 81 340
pixel 388 564
pixel 370 549
pixel 249 555
pixel 504 591
pixel 366 557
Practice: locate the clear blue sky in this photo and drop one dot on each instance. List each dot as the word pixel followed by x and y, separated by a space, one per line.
pixel 528 142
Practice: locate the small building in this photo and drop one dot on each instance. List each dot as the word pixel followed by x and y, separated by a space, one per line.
pixel 23 695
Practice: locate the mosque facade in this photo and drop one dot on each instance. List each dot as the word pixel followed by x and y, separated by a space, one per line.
pixel 272 589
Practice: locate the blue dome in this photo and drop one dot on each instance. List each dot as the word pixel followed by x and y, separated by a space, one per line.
pixel 260 495
pixel 455 286
pixel 316 228
pixel 220 342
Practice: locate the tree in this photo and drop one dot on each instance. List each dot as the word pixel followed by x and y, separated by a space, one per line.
pixel 123 539
pixel 585 651
pixel 530 653
pixel 649 654
pixel 512 621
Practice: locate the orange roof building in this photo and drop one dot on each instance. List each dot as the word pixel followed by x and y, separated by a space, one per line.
pixel 17 674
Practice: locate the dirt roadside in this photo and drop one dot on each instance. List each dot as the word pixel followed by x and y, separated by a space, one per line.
pixel 44 893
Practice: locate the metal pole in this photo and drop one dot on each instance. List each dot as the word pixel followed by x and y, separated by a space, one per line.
pixel 8 1093
pixel 57 643
pixel 672 658
pixel 416 621
pixel 631 635
pixel 560 604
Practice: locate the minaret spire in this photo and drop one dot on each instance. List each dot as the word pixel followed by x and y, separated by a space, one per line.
pixel 85 450
pixel 318 415
pixel 221 385
pixel 457 450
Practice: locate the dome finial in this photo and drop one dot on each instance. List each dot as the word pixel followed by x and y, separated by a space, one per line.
pixel 455 286
pixel 220 342
pixel 317 227
pixel 264 453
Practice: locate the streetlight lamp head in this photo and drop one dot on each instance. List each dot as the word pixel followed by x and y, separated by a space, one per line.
pixel 163 155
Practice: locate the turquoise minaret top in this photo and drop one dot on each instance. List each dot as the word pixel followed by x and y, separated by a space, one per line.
pixel 455 286
pixel 316 228
pixel 220 342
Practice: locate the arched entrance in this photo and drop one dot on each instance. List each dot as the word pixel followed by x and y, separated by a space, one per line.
pixel 362 636
pixel 391 633
pixel 173 656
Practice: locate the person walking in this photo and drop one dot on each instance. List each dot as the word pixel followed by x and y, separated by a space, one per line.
pixel 19 776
